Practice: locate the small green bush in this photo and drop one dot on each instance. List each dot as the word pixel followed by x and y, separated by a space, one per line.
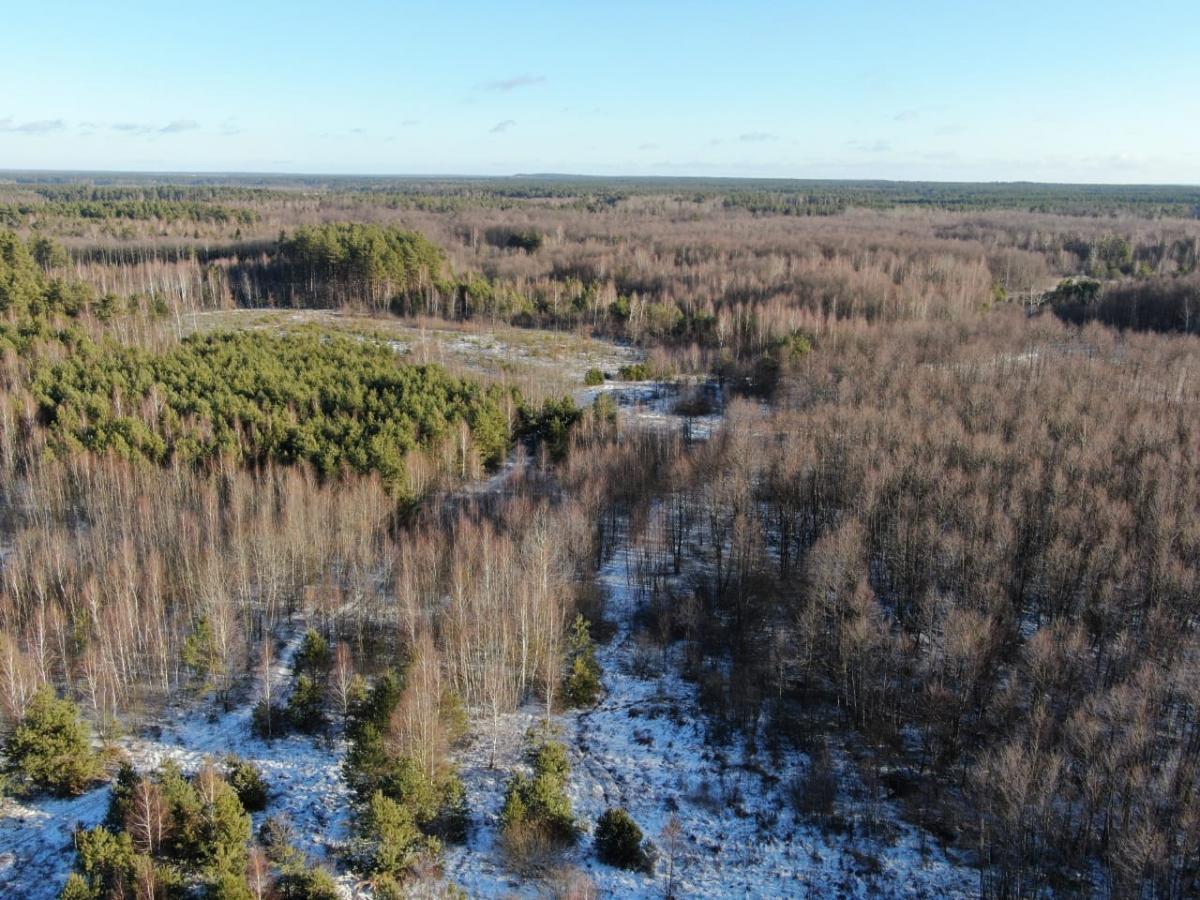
pixel 540 802
pixel 593 377
pixel 226 830
pixel 551 424
pixel 306 706
pixel 635 372
pixel 268 720
pixel 582 683
pixel 604 409
pixel 122 796
pixel 313 657
pixel 386 887
pixel 104 862
pixel 200 653
pixel 277 836
pixel 247 781
pixel 77 888
pixel 306 883
pixel 619 842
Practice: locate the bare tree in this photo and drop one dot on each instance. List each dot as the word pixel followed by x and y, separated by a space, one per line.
pixel 342 678
pixel 146 820
pixel 671 838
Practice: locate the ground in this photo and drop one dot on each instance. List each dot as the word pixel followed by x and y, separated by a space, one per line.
pixel 644 747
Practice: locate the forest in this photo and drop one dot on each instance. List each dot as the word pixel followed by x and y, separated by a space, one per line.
pixel 573 537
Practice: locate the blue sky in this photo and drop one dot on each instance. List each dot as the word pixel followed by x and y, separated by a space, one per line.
pixel 1049 91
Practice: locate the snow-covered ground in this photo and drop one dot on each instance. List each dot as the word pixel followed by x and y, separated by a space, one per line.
pixel 643 747
pixel 304 776
pixel 654 404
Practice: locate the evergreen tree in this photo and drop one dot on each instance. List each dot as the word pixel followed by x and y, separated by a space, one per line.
pixel 51 746
pixel 582 683
pixel 619 841
pixel 389 841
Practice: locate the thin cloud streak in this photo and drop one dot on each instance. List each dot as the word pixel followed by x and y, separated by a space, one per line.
pixel 179 125
pixel 512 84
pixel 40 126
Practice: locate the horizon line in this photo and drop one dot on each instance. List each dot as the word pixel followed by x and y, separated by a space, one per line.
pixel 581 176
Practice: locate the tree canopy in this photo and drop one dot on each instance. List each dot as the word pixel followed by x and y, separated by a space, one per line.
pixel 327 400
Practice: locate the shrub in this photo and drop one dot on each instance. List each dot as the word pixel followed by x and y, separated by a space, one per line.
pixel 696 403
pixel 278 835
pixel 305 883
pixel 509 238
pixel 247 781
pixel 306 706
pixel 200 652
pixel 229 885
pixel 814 792
pixel 593 377
pixel 268 720
pixel 388 841
pixel 582 683
pixel 122 796
pixel 369 765
pixel 551 424
pixel 604 409
pixel 793 347
pixel 540 802
pixel 77 888
pixel 528 848
pixel 635 372
pixel 105 862
pixel 225 826
pixel 313 657
pixel 619 842
pixel 51 749
pixel 386 887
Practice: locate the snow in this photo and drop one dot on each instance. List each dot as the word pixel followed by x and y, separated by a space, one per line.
pixel 36 842
pixel 644 747
pixel 652 404
pixel 304 777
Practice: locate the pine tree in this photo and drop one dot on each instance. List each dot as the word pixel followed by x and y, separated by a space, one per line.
pixel 582 684
pixel 51 747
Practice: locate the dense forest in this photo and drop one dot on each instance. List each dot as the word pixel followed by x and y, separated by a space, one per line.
pixel 880 518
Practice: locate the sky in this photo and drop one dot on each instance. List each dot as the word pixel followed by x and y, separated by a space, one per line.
pixel 972 90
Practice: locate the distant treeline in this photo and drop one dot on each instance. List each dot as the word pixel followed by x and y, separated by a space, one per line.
pixel 1064 199
pixel 760 195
